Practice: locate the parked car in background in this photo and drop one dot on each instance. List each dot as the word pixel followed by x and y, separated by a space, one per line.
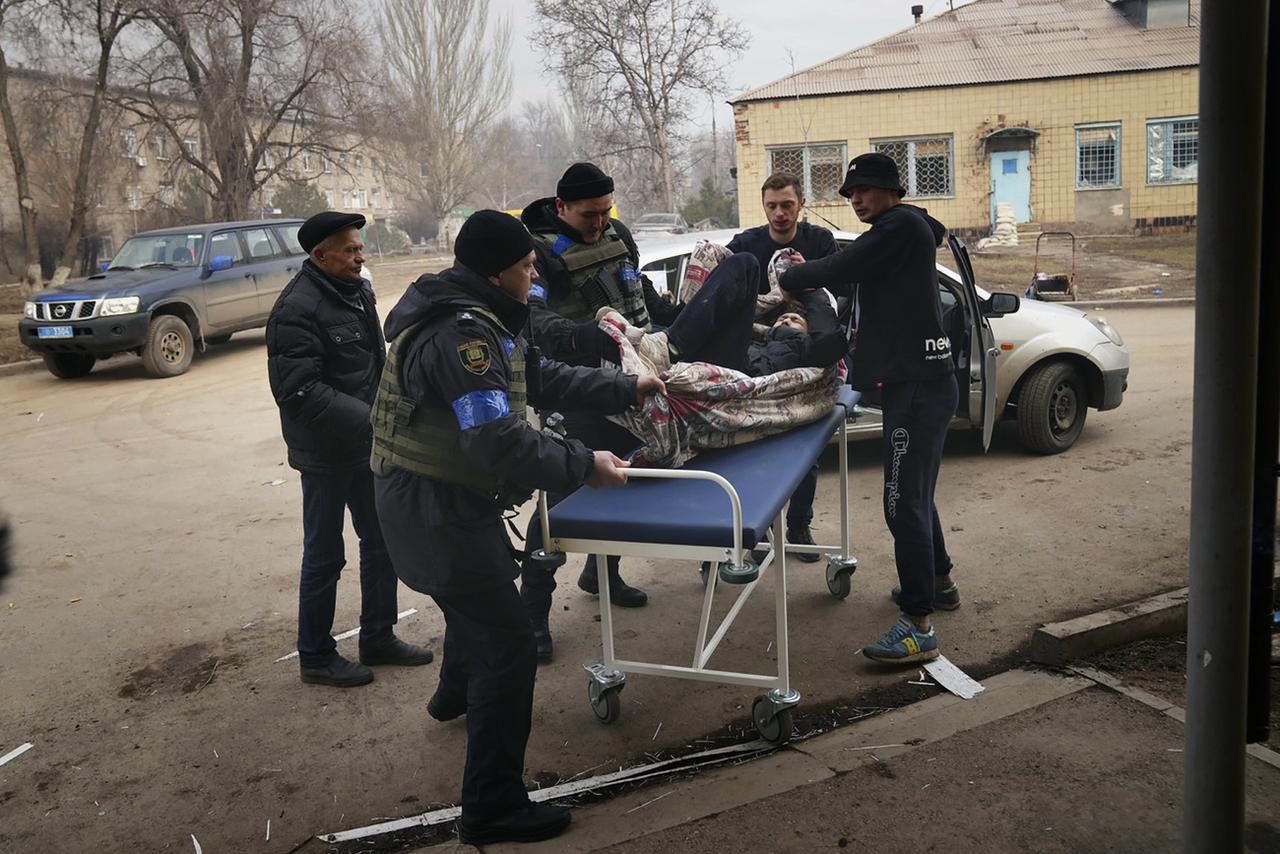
pixel 1043 365
pixel 164 295
pixel 660 223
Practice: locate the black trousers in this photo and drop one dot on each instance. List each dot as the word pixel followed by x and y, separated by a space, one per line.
pixel 325 499
pixel 916 417
pixel 715 326
pixel 599 434
pixel 490 662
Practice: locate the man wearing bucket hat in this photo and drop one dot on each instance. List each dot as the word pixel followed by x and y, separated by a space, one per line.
pixel 453 452
pixel 324 354
pixel 900 349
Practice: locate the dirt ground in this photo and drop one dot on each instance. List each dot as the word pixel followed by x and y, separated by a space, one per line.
pixel 1159 666
pixel 1112 267
pixel 157 545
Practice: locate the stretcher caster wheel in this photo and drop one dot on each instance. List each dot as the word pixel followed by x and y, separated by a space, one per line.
pixel 773 725
pixel 840 575
pixel 605 702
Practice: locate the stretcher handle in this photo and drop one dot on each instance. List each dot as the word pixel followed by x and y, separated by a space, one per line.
pixel 676 474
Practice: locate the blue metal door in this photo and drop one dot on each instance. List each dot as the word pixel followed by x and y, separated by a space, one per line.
pixel 1011 183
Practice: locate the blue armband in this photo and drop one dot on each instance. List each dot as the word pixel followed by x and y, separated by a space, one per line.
pixel 480 407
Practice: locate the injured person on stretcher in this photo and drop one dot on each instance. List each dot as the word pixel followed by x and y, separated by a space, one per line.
pixel 724 385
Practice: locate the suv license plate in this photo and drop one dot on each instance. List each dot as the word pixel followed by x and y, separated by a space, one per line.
pixel 54 332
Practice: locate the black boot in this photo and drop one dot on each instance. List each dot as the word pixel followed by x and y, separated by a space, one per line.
pixel 531 824
pixel 620 593
pixel 338 672
pixel 541 636
pixel 801 536
pixel 445 708
pixel 395 651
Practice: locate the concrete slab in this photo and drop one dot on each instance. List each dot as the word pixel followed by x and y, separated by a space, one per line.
pixel 937 718
pixel 1058 643
pixel 661 806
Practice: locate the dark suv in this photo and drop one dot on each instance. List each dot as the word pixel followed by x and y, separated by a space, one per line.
pixel 163 294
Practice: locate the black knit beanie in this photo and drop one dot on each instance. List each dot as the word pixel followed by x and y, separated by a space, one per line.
pixel 583 181
pixel 491 241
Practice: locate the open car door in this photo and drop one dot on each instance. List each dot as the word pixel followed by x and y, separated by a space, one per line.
pixel 982 349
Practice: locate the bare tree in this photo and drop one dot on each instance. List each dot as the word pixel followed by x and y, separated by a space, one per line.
pixel 449 74
pixel 103 20
pixel 245 88
pixel 10 19
pixel 652 55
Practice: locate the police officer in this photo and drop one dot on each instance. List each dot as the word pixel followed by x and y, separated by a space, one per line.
pixel 586 260
pixel 783 201
pixel 324 355
pixel 452 451
pixel 901 350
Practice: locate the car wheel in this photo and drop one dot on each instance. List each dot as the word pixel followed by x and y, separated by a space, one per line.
pixel 169 347
pixel 68 366
pixel 217 339
pixel 1052 408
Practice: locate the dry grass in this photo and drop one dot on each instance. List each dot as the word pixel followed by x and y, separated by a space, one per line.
pixel 1174 250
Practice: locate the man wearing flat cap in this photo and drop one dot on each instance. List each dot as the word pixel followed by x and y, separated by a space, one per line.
pixel 900 349
pixel 453 452
pixel 325 352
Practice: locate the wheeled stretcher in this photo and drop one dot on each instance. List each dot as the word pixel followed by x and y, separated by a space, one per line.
pixel 717 508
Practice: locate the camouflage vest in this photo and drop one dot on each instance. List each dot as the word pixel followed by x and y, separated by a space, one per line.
pixel 599 274
pixel 424 440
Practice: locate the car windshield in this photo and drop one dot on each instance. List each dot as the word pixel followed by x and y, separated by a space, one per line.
pixel 658 219
pixel 168 250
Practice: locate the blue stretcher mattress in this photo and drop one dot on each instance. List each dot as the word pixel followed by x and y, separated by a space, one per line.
pixel 697 512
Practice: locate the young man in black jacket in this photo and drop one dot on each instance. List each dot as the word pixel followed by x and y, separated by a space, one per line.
pixel 901 349
pixel 782 198
pixel 324 354
pixel 452 452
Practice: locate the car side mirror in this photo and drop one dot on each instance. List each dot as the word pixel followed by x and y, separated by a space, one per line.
pixel 1001 304
pixel 221 262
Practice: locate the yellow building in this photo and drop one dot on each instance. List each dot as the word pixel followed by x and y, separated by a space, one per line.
pixel 1078 113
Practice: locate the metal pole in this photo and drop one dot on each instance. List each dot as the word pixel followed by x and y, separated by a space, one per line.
pixel 1228 246
pixel 1261 590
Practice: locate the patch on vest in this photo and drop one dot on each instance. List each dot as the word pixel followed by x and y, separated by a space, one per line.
pixel 474 355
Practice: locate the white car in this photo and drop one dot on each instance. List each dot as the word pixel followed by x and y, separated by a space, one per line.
pixel 1041 364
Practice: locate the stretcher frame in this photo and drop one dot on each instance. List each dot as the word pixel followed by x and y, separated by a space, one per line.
pixel 771 711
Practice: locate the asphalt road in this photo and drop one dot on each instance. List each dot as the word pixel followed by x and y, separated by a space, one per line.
pixel 158 540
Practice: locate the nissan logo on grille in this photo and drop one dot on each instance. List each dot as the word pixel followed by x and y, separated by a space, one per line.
pixel 60 310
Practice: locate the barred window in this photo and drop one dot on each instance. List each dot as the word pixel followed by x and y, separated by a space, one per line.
pixel 1173 150
pixel 924 165
pixel 1097 156
pixel 820 168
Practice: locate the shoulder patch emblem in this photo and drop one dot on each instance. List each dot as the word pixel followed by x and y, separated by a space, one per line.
pixel 474 355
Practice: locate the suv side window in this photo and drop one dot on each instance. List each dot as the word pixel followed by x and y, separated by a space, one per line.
pixel 289 235
pixel 262 246
pixel 226 243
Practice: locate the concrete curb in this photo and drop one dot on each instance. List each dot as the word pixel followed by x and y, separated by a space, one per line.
pixel 12 368
pixel 1154 302
pixel 1258 751
pixel 1057 643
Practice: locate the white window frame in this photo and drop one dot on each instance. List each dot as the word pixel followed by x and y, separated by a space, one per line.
pixel 128 143
pixel 159 146
pixel 806 170
pixel 192 146
pixel 909 179
pixel 1171 121
pixel 1119 180
pixel 133 197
